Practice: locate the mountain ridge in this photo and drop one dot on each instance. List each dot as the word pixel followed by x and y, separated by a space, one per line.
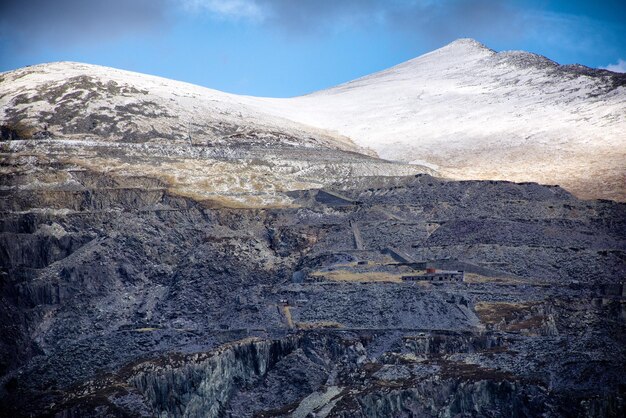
pixel 462 106
pixel 201 143
pixel 455 109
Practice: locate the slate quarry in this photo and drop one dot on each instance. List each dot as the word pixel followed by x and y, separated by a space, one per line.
pixel 128 301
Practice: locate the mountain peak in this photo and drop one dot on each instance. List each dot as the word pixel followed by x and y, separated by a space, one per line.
pixel 467 44
pixel 463 48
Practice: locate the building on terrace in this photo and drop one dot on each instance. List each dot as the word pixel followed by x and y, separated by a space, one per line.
pixel 437 275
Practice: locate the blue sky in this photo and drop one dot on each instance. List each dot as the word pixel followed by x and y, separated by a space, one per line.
pixel 285 48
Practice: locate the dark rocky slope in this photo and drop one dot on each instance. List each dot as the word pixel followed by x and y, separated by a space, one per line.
pixel 121 299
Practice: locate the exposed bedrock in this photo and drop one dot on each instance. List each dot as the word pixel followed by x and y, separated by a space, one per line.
pixel 120 298
pixel 451 399
pixel 202 387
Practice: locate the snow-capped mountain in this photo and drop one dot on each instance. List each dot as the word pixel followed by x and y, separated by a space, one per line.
pixel 200 143
pixel 472 113
pixel 464 111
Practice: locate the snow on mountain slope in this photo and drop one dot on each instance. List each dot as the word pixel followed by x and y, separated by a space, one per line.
pixel 62 117
pixel 464 111
pixel 472 113
pixel 75 100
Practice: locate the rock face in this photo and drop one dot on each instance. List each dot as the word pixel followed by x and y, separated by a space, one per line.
pixel 124 300
pixel 257 270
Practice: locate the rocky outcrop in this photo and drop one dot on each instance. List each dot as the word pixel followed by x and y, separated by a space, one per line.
pixel 449 399
pixel 194 386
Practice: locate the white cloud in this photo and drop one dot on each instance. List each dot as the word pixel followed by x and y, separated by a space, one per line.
pixel 231 9
pixel 620 67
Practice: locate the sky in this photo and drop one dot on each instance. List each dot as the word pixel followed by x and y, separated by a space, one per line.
pixel 283 48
